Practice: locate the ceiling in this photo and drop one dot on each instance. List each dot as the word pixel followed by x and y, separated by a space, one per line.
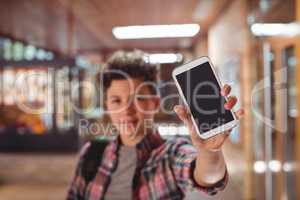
pixel 77 26
pixel 273 11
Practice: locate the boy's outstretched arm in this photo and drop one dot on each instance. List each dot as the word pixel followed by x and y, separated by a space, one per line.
pixel 210 164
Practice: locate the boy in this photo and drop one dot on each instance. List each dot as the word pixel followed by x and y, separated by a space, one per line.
pixel 139 164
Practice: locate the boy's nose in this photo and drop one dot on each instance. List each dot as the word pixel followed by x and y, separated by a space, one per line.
pixel 130 108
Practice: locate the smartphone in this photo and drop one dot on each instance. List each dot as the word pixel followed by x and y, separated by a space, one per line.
pixel 200 90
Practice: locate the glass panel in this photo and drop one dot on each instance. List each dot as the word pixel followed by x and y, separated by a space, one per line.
pixel 274 162
pixel 29 52
pixel 259 140
pixel 7 49
pixel 18 51
pixel 2 48
pixel 27 100
pixel 289 61
pixel 13 50
pixel 64 118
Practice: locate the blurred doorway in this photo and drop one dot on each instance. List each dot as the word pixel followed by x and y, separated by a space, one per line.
pixel 278 104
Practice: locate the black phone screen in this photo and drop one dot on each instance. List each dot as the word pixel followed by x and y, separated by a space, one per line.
pixel 202 93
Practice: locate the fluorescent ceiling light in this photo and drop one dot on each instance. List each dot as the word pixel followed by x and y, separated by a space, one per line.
pixel 275 165
pixel 274 29
pixel 289 166
pixel 156 31
pixel 163 58
pixel 260 167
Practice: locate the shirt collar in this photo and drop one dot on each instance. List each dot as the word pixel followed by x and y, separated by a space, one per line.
pixel 151 141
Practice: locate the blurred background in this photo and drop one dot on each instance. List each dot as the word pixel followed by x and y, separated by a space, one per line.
pixel 48 48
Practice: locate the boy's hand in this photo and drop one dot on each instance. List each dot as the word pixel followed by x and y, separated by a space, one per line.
pixel 215 143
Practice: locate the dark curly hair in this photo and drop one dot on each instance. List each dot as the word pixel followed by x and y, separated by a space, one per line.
pixel 133 64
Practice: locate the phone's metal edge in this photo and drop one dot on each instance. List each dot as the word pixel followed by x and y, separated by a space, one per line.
pixel 220 129
pixel 188 66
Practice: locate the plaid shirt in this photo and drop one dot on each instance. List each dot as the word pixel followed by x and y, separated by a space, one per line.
pixel 164 171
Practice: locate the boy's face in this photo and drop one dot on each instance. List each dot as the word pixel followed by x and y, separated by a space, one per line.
pixel 130 104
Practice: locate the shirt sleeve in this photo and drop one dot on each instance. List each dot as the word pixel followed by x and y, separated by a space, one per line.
pixel 183 163
pixel 77 185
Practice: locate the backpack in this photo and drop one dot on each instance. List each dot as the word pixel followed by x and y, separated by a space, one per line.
pixel 92 159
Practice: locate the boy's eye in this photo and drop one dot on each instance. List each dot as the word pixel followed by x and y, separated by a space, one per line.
pixel 141 98
pixel 115 101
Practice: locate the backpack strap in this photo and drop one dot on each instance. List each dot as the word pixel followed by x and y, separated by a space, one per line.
pixel 92 159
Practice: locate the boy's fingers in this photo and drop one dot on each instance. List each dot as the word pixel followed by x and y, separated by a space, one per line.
pixel 239 113
pixel 183 114
pixel 225 90
pixel 230 103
